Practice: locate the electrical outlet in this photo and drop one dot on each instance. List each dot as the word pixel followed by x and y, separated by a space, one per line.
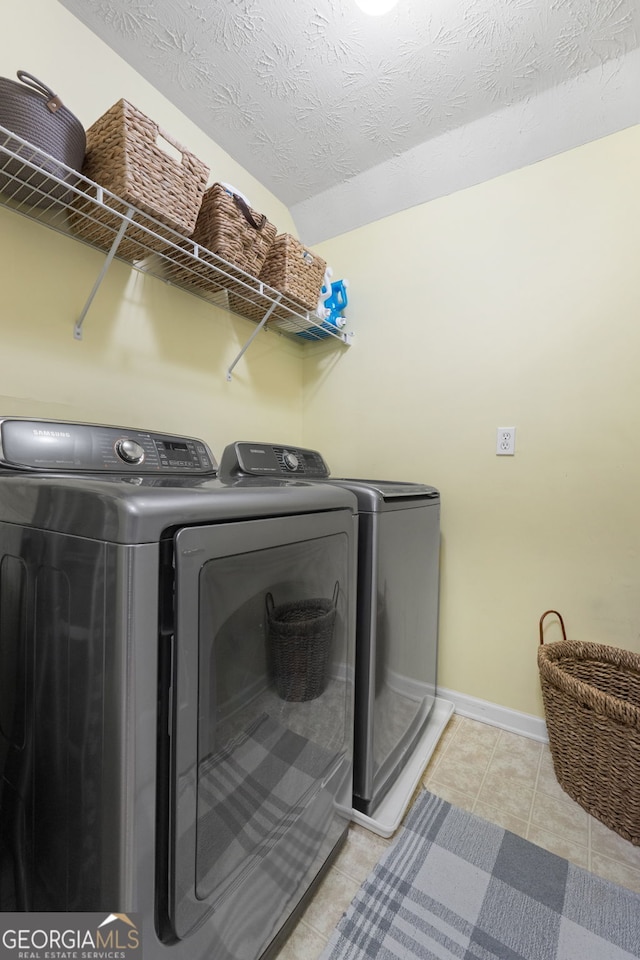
pixel 506 441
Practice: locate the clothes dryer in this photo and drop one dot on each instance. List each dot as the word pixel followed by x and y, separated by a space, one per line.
pixel 150 764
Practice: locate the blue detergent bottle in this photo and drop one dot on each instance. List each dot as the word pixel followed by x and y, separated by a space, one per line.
pixel 334 303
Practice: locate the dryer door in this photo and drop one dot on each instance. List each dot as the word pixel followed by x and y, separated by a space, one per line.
pixel 261 730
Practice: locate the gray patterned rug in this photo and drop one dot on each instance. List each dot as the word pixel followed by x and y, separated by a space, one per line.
pixel 455 887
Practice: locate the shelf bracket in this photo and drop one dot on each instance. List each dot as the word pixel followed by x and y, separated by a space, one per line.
pixel 254 334
pixel 77 330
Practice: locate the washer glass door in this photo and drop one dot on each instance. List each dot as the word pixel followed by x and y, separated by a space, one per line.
pixel 263 714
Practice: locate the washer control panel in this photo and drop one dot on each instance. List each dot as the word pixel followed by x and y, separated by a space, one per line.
pixel 245 459
pixel 58 446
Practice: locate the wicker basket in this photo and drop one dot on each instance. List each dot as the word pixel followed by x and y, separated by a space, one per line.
pixel 299 636
pixel 228 228
pixel 232 230
pixel 591 695
pixel 294 270
pixel 253 305
pixel 32 111
pixel 125 155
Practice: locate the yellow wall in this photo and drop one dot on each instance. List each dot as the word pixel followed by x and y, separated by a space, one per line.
pixel 151 356
pixel 513 303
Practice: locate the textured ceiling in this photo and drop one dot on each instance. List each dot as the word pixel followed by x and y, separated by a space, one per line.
pixel 331 108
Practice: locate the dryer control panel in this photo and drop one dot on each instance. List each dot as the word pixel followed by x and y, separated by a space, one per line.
pixel 244 459
pixel 65 447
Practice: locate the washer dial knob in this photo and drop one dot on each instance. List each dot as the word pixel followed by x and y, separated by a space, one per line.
pixel 291 462
pixel 130 451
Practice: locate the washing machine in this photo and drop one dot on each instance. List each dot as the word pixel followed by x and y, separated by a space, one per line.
pixel 158 766
pixel 398 715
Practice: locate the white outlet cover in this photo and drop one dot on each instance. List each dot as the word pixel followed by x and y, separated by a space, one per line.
pixel 506 441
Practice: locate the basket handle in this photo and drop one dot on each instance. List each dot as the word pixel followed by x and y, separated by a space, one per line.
pixel 53 101
pixel 247 213
pixel 163 135
pixel 269 605
pixel 336 591
pixel 559 616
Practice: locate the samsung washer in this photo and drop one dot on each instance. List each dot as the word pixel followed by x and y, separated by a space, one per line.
pixel 398 716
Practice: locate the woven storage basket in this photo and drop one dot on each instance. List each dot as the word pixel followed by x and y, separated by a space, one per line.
pixel 299 636
pixel 253 305
pixel 294 270
pixel 591 695
pixel 233 230
pixel 35 113
pixel 229 228
pixel 125 155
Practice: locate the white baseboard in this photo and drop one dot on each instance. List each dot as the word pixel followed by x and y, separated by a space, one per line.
pixel 522 723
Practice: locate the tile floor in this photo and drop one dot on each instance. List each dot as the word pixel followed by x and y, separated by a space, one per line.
pixel 500 776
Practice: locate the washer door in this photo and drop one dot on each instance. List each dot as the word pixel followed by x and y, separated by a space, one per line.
pixel 261 737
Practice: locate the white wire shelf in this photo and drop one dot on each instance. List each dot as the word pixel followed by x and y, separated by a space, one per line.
pixel 43 189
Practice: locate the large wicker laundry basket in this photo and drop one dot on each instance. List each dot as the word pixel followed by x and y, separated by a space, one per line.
pixel 591 695
pixel 299 636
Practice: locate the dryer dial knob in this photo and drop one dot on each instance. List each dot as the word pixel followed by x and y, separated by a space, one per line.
pixel 291 462
pixel 130 451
